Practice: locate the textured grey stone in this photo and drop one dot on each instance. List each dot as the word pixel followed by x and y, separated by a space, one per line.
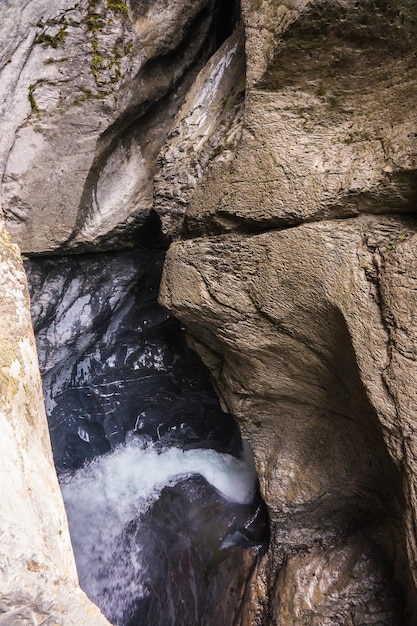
pixel 308 330
pixel 84 89
pixel 328 127
pixel 206 130
pixel 290 324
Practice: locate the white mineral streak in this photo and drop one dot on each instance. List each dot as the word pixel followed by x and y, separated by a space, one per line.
pixel 38 578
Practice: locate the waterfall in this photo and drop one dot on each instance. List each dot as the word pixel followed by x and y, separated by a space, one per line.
pixel 160 491
pixel 113 492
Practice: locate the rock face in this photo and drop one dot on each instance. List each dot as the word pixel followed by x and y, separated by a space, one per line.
pixel 308 327
pixel 328 128
pixel 281 157
pixel 37 573
pixel 206 131
pixel 91 89
pixel 290 324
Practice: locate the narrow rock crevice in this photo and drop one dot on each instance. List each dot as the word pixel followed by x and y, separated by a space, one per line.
pixel 119 379
pixel 397 196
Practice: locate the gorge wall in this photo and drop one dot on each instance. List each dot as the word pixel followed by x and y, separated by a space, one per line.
pixel 39 582
pixel 275 144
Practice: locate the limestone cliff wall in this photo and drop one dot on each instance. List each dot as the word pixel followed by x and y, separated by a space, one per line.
pixel 90 90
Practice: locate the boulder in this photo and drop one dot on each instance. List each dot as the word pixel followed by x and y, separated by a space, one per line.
pixel 328 127
pixel 295 279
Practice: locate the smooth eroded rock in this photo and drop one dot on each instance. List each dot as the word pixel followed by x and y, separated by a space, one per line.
pixel 290 324
pixel 37 572
pixel 90 91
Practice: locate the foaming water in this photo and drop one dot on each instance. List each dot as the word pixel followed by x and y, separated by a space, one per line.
pixel 105 498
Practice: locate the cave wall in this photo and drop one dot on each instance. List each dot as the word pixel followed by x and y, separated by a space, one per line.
pixel 91 90
pixel 280 155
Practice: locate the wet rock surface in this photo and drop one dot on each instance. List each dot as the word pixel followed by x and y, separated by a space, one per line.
pixel 116 368
pixel 38 578
pixel 114 361
pixel 171 566
pixel 217 574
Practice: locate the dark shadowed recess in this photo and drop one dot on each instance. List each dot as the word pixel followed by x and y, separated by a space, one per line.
pixel 227 15
pixel 113 360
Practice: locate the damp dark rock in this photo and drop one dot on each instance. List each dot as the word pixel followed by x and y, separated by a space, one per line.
pixel 114 361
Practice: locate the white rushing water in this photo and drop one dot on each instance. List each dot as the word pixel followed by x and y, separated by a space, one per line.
pixel 106 495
